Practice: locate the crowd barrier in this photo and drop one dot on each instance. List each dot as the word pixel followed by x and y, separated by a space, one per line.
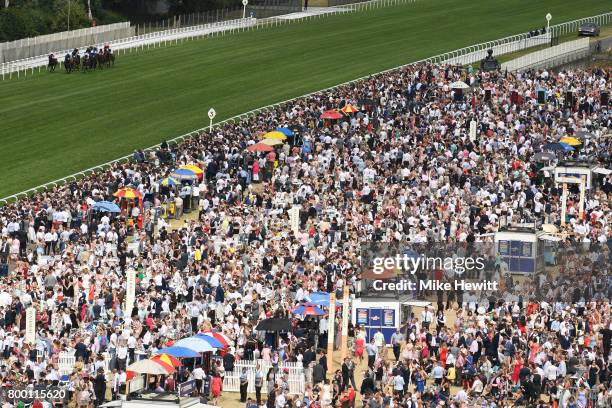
pixel 67 361
pixel 574 49
pixel 296 375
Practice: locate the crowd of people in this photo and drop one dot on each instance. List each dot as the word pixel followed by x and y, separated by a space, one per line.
pixel 404 168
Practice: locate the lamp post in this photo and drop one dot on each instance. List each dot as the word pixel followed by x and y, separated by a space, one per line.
pixel 244 4
pixel 548 18
pixel 211 115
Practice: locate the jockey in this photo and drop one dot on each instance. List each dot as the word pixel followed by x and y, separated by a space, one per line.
pixel 107 48
pixel 75 52
pixel 67 57
pixel 51 58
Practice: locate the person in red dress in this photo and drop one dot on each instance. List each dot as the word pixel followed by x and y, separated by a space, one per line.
pixel 516 368
pixel 359 346
pixel 215 387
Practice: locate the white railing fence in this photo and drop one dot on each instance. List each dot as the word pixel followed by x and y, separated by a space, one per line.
pixel 499 47
pixel 22 68
pixel 574 49
pixel 296 375
pixel 43 44
pixel 232 120
pixel 67 361
pixel 571 27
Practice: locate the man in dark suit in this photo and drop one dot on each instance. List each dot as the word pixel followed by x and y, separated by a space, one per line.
pixel 323 362
pixel 309 356
pixel 318 373
pixel 345 374
pixel 4 250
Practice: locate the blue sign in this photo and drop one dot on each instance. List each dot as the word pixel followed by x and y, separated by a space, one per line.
pixel 389 318
pixel 376 317
pixel 362 316
pixel 187 388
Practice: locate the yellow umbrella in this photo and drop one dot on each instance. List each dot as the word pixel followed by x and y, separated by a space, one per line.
pixel 275 135
pixel 193 168
pixel 349 109
pixel 271 142
pixel 572 141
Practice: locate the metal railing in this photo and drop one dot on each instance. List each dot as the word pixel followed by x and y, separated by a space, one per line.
pixel 571 27
pixel 232 120
pixel 574 49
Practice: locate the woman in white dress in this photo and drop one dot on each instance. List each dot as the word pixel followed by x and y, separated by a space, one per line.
pixel 326 395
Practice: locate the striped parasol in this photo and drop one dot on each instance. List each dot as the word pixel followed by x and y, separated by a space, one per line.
pixel 128 192
pixel 168 182
pixel 167 359
pixel 184 175
pixel 349 108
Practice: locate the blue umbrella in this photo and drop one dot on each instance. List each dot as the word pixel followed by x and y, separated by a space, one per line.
pixel 211 340
pixel 308 309
pixel 558 146
pixel 195 344
pixel 179 352
pixel 286 131
pixel 319 298
pixel 106 206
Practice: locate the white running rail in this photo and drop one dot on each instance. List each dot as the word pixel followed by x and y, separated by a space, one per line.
pixel 570 49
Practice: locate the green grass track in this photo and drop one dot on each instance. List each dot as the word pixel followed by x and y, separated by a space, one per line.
pixel 52 125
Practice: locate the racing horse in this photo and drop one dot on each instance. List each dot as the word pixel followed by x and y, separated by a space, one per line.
pixel 90 61
pixel 109 58
pixel 100 59
pixel 72 63
pixel 53 63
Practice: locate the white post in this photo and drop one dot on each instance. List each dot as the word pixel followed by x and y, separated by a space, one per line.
pixel 211 115
pixel 563 204
pixel 582 194
pixel 548 18
pixel 244 4
pixel 331 325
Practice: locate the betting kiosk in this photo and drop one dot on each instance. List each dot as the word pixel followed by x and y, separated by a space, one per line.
pixel 520 248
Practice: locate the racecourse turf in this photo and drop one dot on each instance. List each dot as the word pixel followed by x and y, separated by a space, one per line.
pixel 52 125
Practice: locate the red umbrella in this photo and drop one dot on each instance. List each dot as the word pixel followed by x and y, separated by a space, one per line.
pixel 331 114
pixel 260 147
pixel 167 359
pixel 222 339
